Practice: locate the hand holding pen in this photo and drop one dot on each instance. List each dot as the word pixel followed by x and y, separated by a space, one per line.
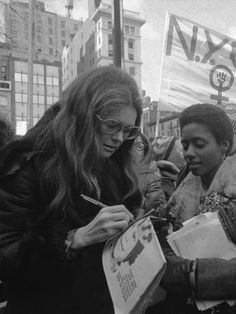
pixel 108 221
pixel 98 203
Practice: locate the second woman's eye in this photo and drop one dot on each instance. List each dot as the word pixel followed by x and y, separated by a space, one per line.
pixel 200 144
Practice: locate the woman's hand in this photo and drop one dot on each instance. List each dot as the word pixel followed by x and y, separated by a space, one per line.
pixel 108 221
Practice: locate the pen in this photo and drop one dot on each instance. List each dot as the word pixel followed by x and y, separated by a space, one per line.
pixel 93 201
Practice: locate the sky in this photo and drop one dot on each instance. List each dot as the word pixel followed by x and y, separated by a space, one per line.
pixel 218 15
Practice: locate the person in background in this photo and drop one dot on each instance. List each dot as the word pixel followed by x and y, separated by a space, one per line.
pixel 149 179
pixel 51 238
pixel 207 139
pixel 167 156
pixel 7 132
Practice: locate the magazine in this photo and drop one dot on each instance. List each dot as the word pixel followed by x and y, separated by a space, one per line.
pixel 134 264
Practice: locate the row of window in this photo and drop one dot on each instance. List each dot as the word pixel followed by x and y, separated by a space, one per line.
pixel 38 100
pixel 127 28
pixel 50 22
pixel 50 31
pixel 38 79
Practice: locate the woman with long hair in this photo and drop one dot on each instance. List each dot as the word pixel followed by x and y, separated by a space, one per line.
pixel 51 239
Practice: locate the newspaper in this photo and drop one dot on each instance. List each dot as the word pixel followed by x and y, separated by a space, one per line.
pixel 203 237
pixel 134 264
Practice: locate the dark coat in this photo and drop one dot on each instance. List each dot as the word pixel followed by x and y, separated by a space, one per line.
pixel 32 247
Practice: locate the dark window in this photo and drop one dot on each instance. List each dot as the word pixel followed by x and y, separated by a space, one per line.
pixel 131 56
pixel 131 44
pixel 132 71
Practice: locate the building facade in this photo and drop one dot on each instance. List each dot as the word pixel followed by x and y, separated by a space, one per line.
pixel 5 83
pixel 92 46
pixel 52 33
pixel 46 90
pixel 168 121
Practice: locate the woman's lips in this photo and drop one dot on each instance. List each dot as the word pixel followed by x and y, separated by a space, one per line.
pixel 193 165
pixel 109 148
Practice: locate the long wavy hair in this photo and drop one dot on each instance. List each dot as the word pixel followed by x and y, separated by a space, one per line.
pixel 68 136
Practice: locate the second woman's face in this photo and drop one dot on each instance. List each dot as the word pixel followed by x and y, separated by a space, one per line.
pixel 201 151
pixel 111 142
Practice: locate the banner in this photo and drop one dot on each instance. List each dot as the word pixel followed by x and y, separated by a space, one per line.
pixel 199 66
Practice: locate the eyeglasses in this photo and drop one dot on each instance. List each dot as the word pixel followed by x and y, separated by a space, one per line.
pixel 139 146
pixel 112 126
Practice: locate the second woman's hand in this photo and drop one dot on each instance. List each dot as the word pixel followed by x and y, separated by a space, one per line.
pixel 109 220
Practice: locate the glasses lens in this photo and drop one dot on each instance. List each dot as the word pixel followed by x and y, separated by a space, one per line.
pixel 140 146
pixel 111 126
pixel 131 132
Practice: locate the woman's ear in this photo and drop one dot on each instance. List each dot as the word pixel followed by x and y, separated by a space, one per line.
pixel 225 147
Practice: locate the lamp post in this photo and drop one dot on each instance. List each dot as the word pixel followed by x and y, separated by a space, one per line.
pixel 117 33
pixel 30 63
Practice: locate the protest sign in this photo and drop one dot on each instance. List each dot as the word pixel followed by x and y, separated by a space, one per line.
pixel 199 66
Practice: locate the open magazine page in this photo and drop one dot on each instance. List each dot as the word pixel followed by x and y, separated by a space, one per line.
pixel 202 237
pixel 134 264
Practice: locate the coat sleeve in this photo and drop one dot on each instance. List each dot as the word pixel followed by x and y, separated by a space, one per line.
pixel 21 242
pixel 152 191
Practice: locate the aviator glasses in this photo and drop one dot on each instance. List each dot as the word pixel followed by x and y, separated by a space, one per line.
pixel 112 126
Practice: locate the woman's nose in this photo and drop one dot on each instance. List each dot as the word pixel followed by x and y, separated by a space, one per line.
pixel 189 152
pixel 119 136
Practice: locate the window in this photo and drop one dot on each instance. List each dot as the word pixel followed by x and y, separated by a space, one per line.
pixel 38 28
pixel 63 24
pixel 52 81
pixel 50 41
pixel 127 29
pixel 98 26
pixel 3 73
pixel 49 21
pixel 132 30
pixel 21 77
pixel 63 33
pixel 39 39
pixel 50 31
pixel 3 101
pixel 63 43
pixel 132 71
pixel 109 25
pixel 110 53
pixel 131 56
pixel 51 51
pixel 21 97
pixel 38 79
pixel 131 44
pixel 109 40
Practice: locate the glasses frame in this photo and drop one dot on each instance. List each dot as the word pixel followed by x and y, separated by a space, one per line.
pixel 121 128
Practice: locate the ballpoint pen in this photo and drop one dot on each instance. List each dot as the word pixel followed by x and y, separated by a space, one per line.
pixel 93 201
pixel 100 204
